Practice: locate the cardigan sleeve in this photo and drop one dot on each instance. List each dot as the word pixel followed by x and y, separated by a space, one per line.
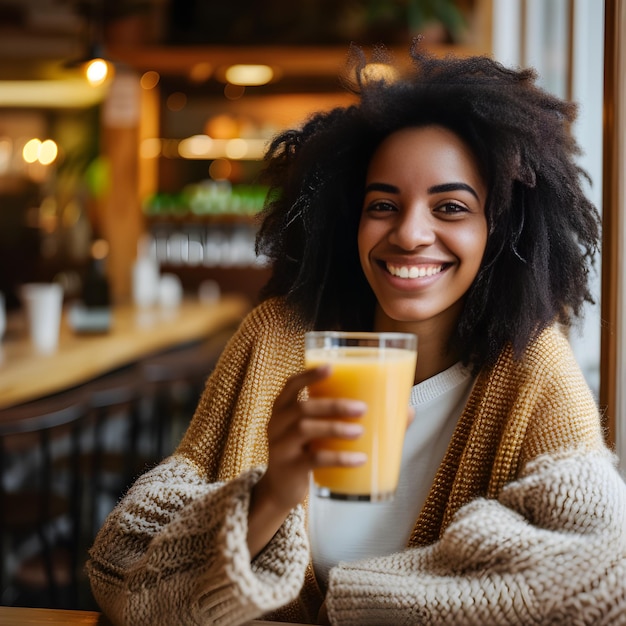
pixel 174 551
pixel 550 549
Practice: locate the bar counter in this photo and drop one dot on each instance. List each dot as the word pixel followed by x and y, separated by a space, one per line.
pixel 10 616
pixel 135 333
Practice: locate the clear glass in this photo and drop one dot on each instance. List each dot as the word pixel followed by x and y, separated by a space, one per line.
pixel 379 369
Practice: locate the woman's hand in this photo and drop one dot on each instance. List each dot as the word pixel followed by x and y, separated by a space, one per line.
pixel 293 426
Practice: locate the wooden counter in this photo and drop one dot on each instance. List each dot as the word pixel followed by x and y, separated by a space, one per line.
pixel 10 616
pixel 135 333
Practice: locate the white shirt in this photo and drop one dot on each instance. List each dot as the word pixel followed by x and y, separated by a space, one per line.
pixel 347 531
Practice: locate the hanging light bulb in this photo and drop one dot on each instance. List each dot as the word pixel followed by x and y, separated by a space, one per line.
pixel 97 71
pixel 94 64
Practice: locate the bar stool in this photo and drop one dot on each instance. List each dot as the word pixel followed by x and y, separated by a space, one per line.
pixel 40 508
pixel 108 459
pixel 111 460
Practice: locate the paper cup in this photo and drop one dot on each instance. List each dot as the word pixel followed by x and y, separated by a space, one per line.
pixel 43 303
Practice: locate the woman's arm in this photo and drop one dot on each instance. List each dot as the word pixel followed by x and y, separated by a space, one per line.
pixel 174 551
pixel 551 549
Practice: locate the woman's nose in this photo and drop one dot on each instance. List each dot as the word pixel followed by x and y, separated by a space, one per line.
pixel 413 229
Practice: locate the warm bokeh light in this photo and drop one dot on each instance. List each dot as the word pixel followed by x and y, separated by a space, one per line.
pixel 222 126
pixel 236 148
pixel 149 79
pixel 220 169
pixel 44 152
pixel 100 249
pixel 150 148
pixel 204 147
pixel 44 93
pixel 200 72
pixel 379 72
pixel 30 152
pixel 176 101
pixel 97 71
pixel 169 148
pixel 249 74
pixel 233 92
pixel 195 146
pixel 48 152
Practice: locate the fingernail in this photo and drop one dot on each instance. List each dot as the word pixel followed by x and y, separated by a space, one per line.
pixel 353 430
pixel 353 458
pixel 356 407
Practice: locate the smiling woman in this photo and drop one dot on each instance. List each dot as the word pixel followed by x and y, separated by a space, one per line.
pixel 446 203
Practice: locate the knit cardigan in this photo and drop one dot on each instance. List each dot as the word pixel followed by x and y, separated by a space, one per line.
pixel 525 522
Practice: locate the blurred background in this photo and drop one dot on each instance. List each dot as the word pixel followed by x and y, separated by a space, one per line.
pixel 136 128
pixel 166 140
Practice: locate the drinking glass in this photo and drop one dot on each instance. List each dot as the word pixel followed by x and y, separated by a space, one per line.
pixel 378 369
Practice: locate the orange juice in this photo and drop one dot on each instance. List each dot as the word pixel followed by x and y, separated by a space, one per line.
pixel 382 378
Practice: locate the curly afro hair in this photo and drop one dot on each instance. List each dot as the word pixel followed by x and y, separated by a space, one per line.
pixel 543 230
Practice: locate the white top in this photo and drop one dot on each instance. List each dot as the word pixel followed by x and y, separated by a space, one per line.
pixel 347 531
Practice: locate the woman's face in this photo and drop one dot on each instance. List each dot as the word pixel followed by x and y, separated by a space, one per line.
pixel 423 228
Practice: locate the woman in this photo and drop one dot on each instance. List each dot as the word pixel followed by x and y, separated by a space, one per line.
pixel 446 203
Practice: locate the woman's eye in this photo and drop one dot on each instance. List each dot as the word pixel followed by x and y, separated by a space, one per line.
pixel 380 206
pixel 451 208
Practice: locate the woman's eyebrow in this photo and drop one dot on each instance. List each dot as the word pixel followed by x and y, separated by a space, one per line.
pixel 382 187
pixel 444 187
pixel 453 187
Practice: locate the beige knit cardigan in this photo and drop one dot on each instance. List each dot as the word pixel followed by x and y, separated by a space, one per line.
pixel 525 522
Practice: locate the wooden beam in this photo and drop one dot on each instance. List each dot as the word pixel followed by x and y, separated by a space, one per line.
pixel 613 334
pixel 121 218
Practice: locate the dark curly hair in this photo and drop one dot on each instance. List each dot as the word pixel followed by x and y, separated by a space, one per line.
pixel 543 230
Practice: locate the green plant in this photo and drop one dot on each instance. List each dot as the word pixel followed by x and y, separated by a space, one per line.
pixel 417 14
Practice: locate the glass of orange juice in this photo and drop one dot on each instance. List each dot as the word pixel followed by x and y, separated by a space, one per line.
pixel 378 369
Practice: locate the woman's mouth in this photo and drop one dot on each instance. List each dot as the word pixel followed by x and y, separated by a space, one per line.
pixel 414 271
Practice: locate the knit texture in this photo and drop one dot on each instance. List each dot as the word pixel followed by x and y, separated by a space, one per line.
pixel 174 549
pixel 550 550
pixel 175 552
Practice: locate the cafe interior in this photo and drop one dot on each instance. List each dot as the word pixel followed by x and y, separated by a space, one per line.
pixel 132 134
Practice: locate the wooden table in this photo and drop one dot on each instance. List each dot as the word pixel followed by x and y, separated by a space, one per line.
pixel 135 333
pixel 10 616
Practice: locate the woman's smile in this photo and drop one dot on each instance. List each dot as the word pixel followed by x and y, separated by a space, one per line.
pixel 415 271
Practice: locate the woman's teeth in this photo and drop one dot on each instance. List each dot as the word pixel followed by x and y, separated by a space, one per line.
pixel 413 271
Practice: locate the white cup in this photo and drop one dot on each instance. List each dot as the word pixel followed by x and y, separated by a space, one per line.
pixel 170 291
pixel 145 282
pixel 43 303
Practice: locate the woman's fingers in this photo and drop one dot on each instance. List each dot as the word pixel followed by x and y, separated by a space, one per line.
pixel 315 420
pixel 286 409
pixel 319 428
pixel 297 382
pixel 289 411
pixel 337 458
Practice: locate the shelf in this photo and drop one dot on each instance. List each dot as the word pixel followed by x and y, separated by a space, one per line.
pixel 293 61
pixel 210 219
